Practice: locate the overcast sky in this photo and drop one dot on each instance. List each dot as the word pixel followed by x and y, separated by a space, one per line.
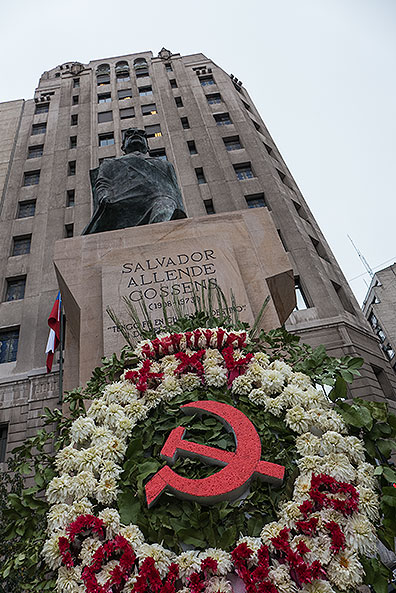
pixel 321 73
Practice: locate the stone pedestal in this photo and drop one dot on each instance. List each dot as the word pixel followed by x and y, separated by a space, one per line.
pixel 239 251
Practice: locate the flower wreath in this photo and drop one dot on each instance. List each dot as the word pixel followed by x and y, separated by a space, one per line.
pixel 312 547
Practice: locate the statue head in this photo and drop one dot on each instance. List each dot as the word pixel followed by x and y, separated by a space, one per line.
pixel 134 140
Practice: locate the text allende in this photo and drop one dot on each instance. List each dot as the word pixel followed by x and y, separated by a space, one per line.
pixel 165 262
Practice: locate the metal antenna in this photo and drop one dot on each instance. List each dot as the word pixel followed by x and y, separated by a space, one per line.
pixel 362 258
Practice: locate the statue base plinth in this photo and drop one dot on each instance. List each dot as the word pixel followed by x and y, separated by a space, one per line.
pixel 239 251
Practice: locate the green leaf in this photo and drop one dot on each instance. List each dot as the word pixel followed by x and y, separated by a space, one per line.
pixel 390 475
pixel 356 415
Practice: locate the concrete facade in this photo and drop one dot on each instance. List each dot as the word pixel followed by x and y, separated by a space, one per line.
pixel 225 161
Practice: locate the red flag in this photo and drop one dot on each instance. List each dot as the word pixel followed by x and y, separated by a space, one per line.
pixel 54 334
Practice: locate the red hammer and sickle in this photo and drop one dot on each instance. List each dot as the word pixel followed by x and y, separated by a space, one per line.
pixel 238 468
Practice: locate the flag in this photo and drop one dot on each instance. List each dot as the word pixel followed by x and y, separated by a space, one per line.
pixel 54 333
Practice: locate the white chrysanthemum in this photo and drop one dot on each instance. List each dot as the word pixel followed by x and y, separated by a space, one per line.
pixel 67 459
pixel 100 436
pixel 318 586
pixel 78 508
pixel 319 547
pixel 308 444
pixel 51 551
pixel 133 534
pixel 161 556
pixel 88 549
pixel 124 427
pixel 109 469
pixel 152 397
pixel 331 442
pixel 105 574
pixel 57 517
pixel 310 463
pixel 294 395
pixel 280 577
pixel 275 405
pixel 255 371
pixel 258 397
pixel 97 410
pixel 169 364
pixel 68 580
pixel 272 381
pixel 213 356
pixel 120 392
pixel 83 484
pixel 254 544
pixel 326 420
pixel 218 585
pixel 282 367
pixel 223 559
pixel 365 475
pixel 136 410
pixel 360 534
pixel 90 459
pixel 270 531
pixel 345 570
pixel 298 419
pixel 115 448
pixel 290 513
pixel 301 380
pixel 262 359
pixel 188 562
pixel 216 376
pixel 107 490
pixel 241 385
pixel 354 448
pixel 369 503
pixel 302 486
pixel 59 489
pixel 190 381
pixel 316 398
pixel 339 467
pixel 111 519
pixel 82 429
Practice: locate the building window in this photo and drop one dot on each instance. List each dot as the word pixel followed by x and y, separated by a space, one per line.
pixel 21 245
pixel 71 168
pixel 256 201
pixel 373 321
pixel 31 178
pixel 70 196
pixel 173 83
pixel 123 76
pixel 3 441
pixel 15 288
pixel 75 99
pixel 381 334
pixel 179 102
pixel 8 345
pixel 200 175
pixel 35 151
pixel 243 171
pixel 184 123
pixel 390 353
pixel 76 83
pixel 383 381
pixel 232 143
pixel 246 106
pixel 206 80
pixel 258 128
pixel 39 129
pixel 41 108
pixel 124 94
pixel 26 209
pixel 222 119
pixel 149 109
pixel 320 250
pixel 158 153
pixel 191 147
pixel 103 79
pixel 153 131
pixel 106 139
pixel 73 142
pixel 213 99
pixel 209 207
pixel 142 73
pixel 345 302
pixel 301 299
pixel 69 229
pixel 104 98
pixel 300 210
pixel 144 91
pixel 105 116
pixel 74 119
pixel 168 68
pixel 268 148
pixel 127 112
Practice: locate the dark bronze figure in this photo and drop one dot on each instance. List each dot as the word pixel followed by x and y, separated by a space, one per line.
pixel 134 189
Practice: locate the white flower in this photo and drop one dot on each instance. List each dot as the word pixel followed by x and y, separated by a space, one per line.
pixel 262 359
pixel 241 385
pixel 110 469
pixel 83 484
pixel 354 448
pixel 124 427
pixel 68 580
pixel 121 392
pixel 345 570
pixel 59 489
pixel 302 486
pixel 272 381
pixel 218 585
pixel 294 395
pixel 57 517
pixel 369 503
pixel 275 405
pixel 107 490
pixel 90 459
pixel 97 410
pixel 326 420
pixel 216 376
pixel 365 475
pixel 270 531
pixel 338 466
pixel 298 419
pixel 136 410
pixel 254 544
pixel 290 513
pixel 190 381
pixel 111 519
pixel 114 448
pixel 162 557
pixel 318 587
pixel 282 367
pixel 360 534
pixel 105 574
pixel 258 397
pixel 188 563
pixel 308 444
pixel 79 507
pixel 81 429
pixel 67 459
pixel 88 549
pixel 133 534
pixel 222 558
pixel 100 436
pixel 51 551
pixel 280 577
pixel 310 463
pixel 301 380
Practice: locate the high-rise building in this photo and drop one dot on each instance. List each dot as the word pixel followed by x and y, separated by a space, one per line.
pixel 201 119
pixel 379 308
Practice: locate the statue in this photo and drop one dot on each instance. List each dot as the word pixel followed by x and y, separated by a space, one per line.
pixel 134 189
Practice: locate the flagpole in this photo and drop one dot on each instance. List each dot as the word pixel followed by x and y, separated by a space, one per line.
pixel 60 399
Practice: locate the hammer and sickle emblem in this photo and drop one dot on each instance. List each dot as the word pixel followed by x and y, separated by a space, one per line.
pixel 238 468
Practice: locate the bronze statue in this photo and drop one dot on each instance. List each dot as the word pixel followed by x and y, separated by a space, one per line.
pixel 134 189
